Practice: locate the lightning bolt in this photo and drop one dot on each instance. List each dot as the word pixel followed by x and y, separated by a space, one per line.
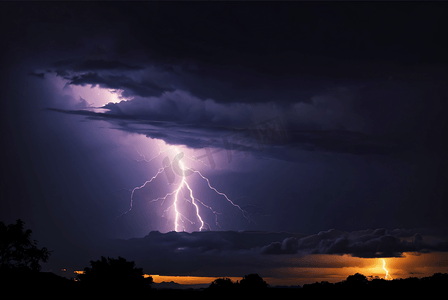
pixel 186 191
pixel 245 213
pixel 387 272
pixel 140 187
pixel 182 184
pixel 156 156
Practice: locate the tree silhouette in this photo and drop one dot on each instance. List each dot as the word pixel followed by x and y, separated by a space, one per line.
pixel 252 282
pixel 357 279
pixel 222 284
pixel 116 274
pixel 18 252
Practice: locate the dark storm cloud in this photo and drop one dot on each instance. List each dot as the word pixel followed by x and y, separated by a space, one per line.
pixel 365 243
pixel 287 56
pixel 299 53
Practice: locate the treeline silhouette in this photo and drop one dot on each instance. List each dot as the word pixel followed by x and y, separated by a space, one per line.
pixel 251 282
pixel 109 277
pixel 358 283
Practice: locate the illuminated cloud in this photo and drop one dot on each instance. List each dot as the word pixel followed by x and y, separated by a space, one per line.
pixel 182 119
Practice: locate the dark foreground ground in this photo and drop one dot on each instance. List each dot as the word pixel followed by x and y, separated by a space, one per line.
pixel 53 286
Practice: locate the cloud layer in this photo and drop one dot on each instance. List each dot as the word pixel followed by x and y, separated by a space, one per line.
pixel 366 243
pixel 227 252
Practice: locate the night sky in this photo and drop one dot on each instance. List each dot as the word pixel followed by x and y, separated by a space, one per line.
pixel 321 127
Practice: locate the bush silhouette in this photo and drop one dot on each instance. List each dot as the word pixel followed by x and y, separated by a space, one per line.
pixel 18 252
pixel 114 274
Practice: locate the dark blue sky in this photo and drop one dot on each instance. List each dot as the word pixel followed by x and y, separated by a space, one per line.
pixel 348 99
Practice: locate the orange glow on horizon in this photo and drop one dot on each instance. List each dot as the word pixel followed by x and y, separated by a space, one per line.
pixel 331 268
pixel 187 279
pixel 336 268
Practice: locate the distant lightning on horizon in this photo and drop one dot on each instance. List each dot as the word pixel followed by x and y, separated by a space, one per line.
pixel 183 191
pixel 387 272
